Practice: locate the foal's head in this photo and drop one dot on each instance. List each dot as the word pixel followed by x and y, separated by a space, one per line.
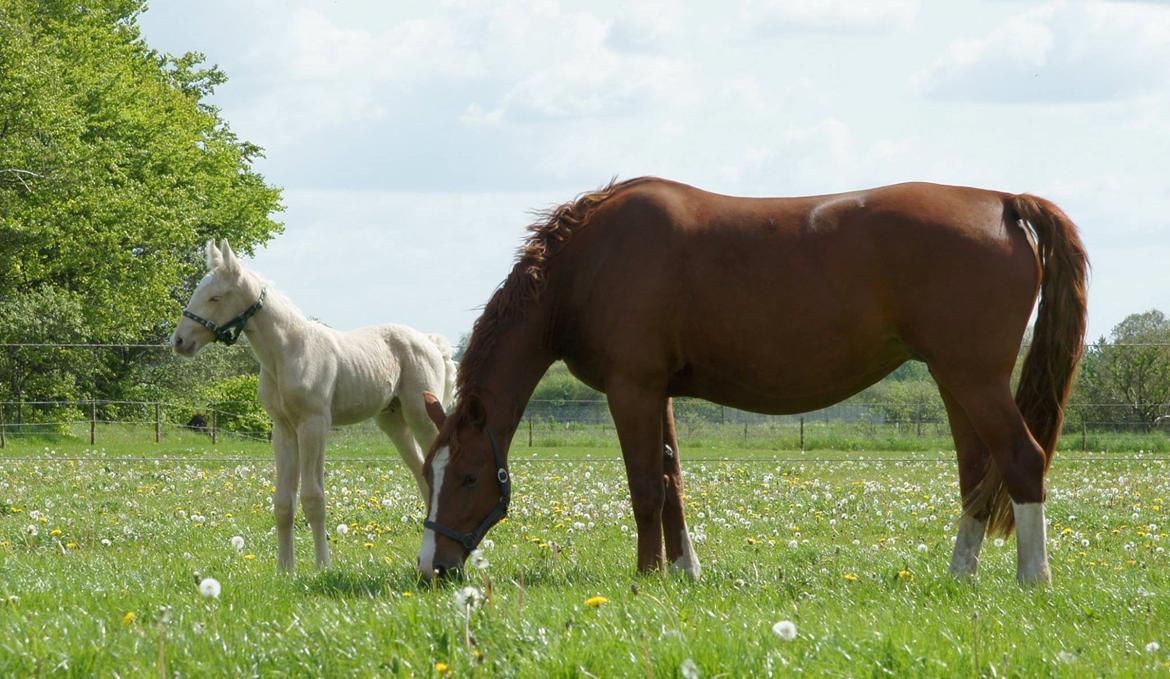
pixel 470 488
pixel 221 296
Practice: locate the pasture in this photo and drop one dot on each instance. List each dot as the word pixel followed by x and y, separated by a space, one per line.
pixel 100 558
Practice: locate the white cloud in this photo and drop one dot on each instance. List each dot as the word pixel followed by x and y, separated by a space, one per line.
pixel 831 16
pixel 1060 52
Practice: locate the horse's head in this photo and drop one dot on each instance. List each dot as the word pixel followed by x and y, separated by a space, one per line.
pixel 470 487
pixel 221 296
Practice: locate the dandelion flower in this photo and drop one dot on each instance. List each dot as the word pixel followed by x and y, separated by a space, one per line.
pixel 1153 647
pixel 209 588
pixel 486 544
pixel 793 544
pixel 32 530
pixel 478 560
pixel 106 542
pixel 342 529
pixel 128 618
pixel 238 543
pixel 688 669
pixel 468 598
pixel 1066 657
pixel 851 577
pixel 249 557
pixel 13 599
pixel 595 601
pixel 442 667
pixel 56 532
pixel 785 629
pixel 921 548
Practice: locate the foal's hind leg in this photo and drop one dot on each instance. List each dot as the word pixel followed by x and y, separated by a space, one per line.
pixel 680 553
pixel 392 422
pixel 997 420
pixel 973 460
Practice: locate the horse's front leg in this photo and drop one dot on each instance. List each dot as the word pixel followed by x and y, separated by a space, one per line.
pixel 284 445
pixel 637 414
pixel 311 435
pixel 680 553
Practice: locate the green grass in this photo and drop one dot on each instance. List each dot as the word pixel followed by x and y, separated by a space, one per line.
pixel 65 597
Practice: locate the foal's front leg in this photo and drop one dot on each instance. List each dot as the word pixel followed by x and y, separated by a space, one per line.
pixel 284 445
pixel 637 414
pixel 311 435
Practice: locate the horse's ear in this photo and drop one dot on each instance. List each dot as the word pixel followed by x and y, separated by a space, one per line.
pixel 434 409
pixel 476 412
pixel 214 256
pixel 230 262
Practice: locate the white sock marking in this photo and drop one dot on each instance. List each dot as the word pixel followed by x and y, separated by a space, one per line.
pixel 688 561
pixel 426 554
pixel 1031 543
pixel 965 560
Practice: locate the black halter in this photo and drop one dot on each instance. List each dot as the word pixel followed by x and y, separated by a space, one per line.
pixel 471 540
pixel 229 332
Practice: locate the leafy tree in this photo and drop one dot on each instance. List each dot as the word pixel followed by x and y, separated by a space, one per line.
pixel 113 170
pixel 1125 379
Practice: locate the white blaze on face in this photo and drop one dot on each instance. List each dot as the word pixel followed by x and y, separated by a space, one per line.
pixel 426 555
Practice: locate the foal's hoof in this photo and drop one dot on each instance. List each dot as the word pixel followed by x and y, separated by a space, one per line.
pixel 1040 578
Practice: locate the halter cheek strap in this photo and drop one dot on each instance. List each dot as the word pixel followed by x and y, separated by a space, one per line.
pixel 471 540
pixel 229 332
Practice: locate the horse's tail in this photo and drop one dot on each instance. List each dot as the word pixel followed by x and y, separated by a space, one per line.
pixel 1057 341
pixel 448 352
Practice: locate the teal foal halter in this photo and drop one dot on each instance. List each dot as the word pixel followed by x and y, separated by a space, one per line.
pixel 229 332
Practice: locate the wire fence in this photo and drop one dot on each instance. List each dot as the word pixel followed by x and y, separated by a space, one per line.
pixel 565 423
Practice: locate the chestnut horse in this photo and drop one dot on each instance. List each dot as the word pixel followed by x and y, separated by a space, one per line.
pixel 649 289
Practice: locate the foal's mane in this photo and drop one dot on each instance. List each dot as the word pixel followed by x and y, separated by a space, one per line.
pixel 522 288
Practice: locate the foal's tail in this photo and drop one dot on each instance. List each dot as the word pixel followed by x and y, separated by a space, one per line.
pixel 448 352
pixel 1057 340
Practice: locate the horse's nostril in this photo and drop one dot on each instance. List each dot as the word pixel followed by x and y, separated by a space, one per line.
pixel 178 341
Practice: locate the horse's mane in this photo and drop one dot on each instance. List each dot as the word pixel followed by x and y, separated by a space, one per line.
pixel 522 288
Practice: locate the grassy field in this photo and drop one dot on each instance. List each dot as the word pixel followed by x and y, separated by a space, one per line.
pixel 853 553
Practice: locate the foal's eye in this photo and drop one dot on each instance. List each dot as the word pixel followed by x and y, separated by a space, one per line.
pixel 469 480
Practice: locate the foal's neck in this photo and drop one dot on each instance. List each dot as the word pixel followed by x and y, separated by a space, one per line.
pixel 274 327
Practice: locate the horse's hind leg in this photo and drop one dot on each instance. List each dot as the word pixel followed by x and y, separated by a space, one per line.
pixel 311 436
pixel 393 423
pixel 1020 460
pixel 680 553
pixel 973 460
pixel 284 445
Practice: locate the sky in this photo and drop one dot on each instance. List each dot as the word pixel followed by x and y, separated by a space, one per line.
pixel 413 139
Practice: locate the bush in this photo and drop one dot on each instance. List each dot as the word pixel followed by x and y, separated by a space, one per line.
pixel 236 401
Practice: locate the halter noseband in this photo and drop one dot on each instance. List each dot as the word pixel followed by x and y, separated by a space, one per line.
pixel 229 332
pixel 471 540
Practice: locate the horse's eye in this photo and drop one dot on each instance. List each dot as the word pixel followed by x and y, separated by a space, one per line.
pixel 469 480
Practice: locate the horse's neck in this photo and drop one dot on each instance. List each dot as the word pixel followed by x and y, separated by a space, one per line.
pixel 513 367
pixel 274 328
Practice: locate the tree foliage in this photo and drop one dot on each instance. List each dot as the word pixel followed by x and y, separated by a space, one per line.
pixel 113 168
pixel 1125 378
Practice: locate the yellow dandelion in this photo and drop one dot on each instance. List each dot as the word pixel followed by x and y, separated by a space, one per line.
pixel 850 577
pixel 407 594
pixel 751 541
pixel 905 574
pixel 249 557
pixel 442 667
pixel 56 532
pixel 369 545
pixel 595 601
pixel 70 545
pixel 128 618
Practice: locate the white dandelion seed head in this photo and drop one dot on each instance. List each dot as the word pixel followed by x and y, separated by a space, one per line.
pixel 793 544
pixel 999 542
pixel 36 516
pixel 785 629
pixel 478 560
pixel 468 598
pixel 106 542
pixel 486 544
pixel 342 529
pixel 1066 657
pixel 688 669
pixel 32 530
pixel 238 543
pixel 921 548
pixel 209 588
pixel 1153 647
pixel 1085 542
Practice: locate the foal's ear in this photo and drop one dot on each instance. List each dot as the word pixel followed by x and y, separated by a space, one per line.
pixel 214 256
pixel 230 262
pixel 434 409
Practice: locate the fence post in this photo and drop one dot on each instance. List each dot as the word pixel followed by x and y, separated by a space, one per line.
pixel 157 423
pixel 802 433
pixel 214 432
pixel 1084 437
pixel 92 422
pixel 529 432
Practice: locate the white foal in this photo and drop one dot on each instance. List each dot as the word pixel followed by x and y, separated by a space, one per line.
pixel 313 377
